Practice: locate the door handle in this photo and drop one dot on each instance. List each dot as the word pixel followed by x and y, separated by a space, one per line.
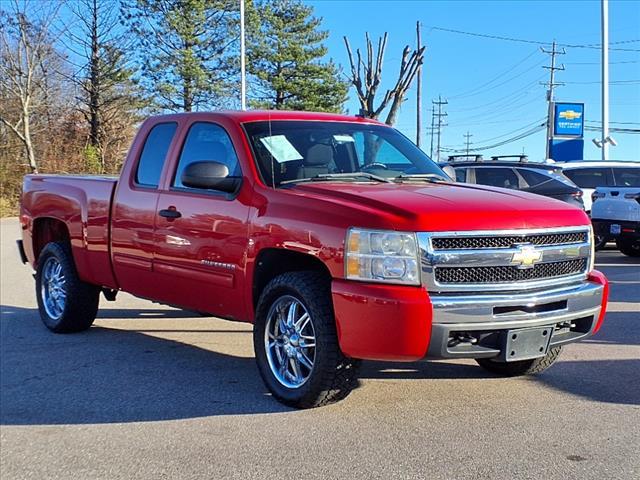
pixel 170 213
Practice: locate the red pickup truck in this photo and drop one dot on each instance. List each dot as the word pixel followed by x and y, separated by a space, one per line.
pixel 335 236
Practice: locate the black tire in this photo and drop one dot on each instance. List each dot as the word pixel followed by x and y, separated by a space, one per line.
pixel 629 246
pixel 333 375
pixel 600 242
pixel 82 299
pixel 524 367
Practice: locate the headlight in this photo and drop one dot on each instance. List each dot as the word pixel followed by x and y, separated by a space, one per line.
pixel 592 241
pixel 382 256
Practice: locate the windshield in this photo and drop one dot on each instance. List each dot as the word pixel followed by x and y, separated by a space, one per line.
pixel 290 151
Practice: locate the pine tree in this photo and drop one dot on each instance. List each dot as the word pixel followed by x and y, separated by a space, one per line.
pixel 285 58
pixel 184 47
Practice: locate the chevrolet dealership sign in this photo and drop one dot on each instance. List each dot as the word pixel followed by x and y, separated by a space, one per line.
pixel 568 120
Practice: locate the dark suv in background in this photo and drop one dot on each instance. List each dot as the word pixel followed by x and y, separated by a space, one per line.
pixel 520 174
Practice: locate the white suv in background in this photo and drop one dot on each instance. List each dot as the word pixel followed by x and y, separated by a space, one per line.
pixel 589 175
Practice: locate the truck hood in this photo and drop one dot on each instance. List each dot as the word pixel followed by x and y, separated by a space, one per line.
pixel 447 206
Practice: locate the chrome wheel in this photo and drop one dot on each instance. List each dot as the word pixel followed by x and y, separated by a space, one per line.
pixel 290 342
pixel 53 288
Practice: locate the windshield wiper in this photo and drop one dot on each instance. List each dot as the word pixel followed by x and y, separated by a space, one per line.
pixel 426 177
pixel 325 177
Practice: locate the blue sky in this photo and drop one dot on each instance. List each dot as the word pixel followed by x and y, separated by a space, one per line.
pixel 493 85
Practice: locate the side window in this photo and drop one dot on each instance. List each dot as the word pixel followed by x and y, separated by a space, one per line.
pixel 533 178
pixel 627 177
pixel 154 154
pixel 497 177
pixel 206 142
pixel 461 175
pixel 590 177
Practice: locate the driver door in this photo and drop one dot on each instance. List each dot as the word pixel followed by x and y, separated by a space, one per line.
pixel 200 247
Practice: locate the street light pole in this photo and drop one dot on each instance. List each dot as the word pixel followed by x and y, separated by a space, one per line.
pixel 243 80
pixel 605 79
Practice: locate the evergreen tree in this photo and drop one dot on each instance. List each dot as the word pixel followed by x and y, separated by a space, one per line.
pixel 285 58
pixel 184 47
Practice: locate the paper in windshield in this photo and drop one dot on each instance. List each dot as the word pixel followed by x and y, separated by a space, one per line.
pixel 281 148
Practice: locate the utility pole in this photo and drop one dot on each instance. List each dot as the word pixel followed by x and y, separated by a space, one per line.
pixel 550 86
pixel 243 74
pixel 467 140
pixel 605 80
pixel 439 115
pixel 418 93
pixel 433 128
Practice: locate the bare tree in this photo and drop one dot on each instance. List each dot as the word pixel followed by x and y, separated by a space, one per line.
pixel 106 92
pixel 366 76
pixel 26 49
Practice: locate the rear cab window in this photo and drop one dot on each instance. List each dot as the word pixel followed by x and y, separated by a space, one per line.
pixel 154 154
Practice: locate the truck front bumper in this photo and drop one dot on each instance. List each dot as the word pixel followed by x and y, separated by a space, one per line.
pixel 381 322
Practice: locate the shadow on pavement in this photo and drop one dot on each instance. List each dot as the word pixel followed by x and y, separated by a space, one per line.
pixel 108 375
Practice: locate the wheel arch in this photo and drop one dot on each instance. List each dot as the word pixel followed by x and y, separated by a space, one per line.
pixel 47 230
pixel 272 262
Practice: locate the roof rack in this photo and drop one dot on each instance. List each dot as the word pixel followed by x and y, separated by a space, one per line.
pixel 468 158
pixel 521 158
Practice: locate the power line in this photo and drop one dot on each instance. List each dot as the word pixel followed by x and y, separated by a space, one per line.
pixel 536 42
pixel 537 123
pixel 598 63
pixel 612 82
pixel 499 76
pixel 526 134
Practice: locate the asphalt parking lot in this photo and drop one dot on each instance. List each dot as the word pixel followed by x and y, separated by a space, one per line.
pixel 154 392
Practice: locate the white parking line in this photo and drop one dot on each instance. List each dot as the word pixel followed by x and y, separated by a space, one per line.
pixel 617 265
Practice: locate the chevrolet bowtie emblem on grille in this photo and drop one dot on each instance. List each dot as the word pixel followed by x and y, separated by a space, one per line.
pixel 526 256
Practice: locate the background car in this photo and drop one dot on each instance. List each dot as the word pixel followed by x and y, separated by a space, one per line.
pixel 616 215
pixel 538 178
pixel 589 175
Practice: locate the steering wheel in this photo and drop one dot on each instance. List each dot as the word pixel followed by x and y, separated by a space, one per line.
pixel 374 164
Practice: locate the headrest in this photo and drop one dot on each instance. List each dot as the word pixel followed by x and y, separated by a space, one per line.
pixel 319 155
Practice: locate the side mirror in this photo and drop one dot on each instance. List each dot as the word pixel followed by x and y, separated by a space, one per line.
pixel 210 175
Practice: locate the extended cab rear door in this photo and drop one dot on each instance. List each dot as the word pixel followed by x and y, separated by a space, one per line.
pixel 134 211
pixel 199 257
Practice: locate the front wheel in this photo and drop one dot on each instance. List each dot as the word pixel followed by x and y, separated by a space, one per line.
pixel 523 367
pixel 296 344
pixel 629 246
pixel 66 303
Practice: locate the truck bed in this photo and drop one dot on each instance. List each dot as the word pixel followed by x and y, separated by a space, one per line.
pixel 83 204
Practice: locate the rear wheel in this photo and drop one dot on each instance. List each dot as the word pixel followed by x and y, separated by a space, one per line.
pixel 296 344
pixel 66 303
pixel 524 367
pixel 629 246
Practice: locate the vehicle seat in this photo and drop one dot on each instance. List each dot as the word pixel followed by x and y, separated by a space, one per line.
pixel 318 161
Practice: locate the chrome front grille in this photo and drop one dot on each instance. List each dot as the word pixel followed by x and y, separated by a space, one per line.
pixel 509 273
pixel 504 261
pixel 478 242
